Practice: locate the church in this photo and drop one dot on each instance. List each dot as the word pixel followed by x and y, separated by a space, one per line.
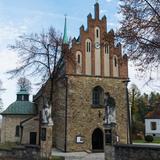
pixel 78 101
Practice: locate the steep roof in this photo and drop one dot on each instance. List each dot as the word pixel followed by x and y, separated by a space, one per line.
pixel 65 37
pixel 20 108
pixel 154 114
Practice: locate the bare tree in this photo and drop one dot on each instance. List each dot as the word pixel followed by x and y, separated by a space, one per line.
pixel 140 32
pixel 40 55
pixel 24 83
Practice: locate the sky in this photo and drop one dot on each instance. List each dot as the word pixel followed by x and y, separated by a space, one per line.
pixel 33 16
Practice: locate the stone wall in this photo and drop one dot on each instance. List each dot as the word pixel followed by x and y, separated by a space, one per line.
pixel 20 153
pixel 31 125
pixel 9 124
pixel 59 109
pixel 83 118
pixel 137 152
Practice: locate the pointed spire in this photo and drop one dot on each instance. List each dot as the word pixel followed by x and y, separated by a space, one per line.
pixel 65 38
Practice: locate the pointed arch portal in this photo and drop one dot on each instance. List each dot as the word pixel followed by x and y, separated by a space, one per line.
pixel 97 140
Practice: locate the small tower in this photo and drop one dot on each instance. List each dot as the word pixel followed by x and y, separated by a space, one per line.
pixel 23 95
pixel 96 10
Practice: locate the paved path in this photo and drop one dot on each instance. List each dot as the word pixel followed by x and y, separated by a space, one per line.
pixel 79 155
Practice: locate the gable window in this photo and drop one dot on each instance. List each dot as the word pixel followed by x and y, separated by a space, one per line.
pixel 17 131
pixel 88 45
pixel 79 59
pixel 115 61
pixel 98 96
pixel 153 125
pixel 97 33
pixel 107 49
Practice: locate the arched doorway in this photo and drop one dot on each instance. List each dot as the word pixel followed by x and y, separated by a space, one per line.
pixel 97 140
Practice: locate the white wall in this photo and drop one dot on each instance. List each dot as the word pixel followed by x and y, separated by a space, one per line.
pixel 148 130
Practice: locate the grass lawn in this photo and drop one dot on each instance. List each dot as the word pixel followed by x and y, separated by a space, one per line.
pixel 7 145
pixel 155 140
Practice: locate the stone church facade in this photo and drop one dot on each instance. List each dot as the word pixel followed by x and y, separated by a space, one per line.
pixel 78 101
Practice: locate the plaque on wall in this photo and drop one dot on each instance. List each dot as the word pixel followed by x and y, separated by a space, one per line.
pixel 79 139
pixel 43 134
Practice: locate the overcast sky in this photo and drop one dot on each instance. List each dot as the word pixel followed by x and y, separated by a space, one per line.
pixel 27 16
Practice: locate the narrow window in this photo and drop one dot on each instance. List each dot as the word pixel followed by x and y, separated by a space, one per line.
pixel 115 61
pixel 107 49
pixel 97 33
pixel 97 96
pixel 43 134
pixel 89 47
pixel 153 126
pixel 26 97
pixel 79 59
pixel 17 131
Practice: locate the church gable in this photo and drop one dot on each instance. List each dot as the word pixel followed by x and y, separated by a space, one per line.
pixel 95 52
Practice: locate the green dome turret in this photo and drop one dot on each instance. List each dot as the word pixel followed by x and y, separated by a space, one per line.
pixel 23 95
pixel 22 105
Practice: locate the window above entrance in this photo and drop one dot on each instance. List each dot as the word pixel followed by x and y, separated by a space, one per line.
pixel 98 96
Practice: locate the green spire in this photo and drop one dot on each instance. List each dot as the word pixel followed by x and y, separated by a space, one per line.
pixel 65 38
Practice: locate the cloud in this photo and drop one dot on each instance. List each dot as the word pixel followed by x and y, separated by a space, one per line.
pixel 108 0
pixel 103 11
pixel 8 60
pixel 9 31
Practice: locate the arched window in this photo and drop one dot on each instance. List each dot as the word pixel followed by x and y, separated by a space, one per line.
pixel 107 49
pixel 88 46
pixel 115 61
pixel 17 131
pixel 115 66
pixel 88 69
pixel 98 96
pixel 97 33
pixel 79 62
pixel 79 59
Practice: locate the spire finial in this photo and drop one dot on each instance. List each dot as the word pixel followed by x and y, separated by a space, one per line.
pixel 65 38
pixel 97 1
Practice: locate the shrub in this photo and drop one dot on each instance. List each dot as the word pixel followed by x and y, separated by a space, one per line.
pixel 148 138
